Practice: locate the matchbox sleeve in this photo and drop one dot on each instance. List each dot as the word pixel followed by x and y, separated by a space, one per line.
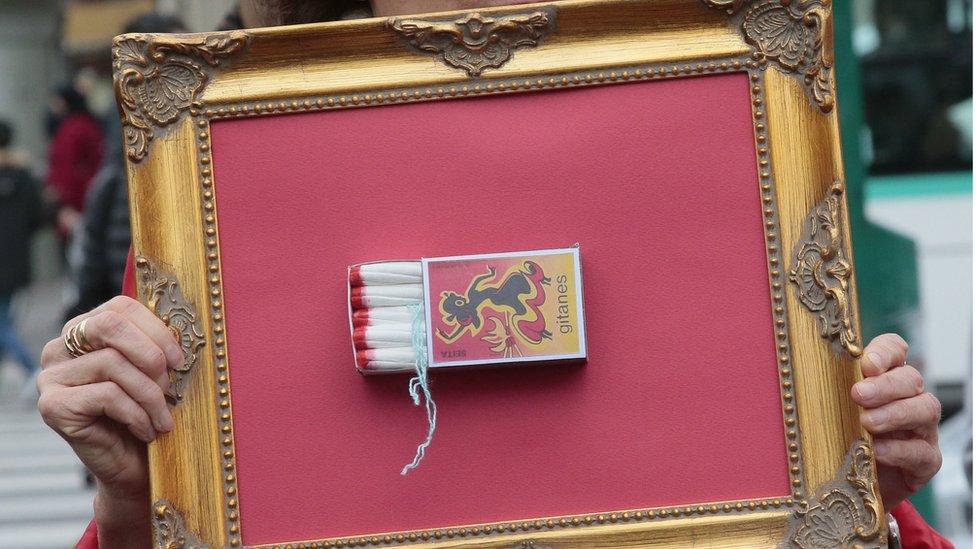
pixel 505 308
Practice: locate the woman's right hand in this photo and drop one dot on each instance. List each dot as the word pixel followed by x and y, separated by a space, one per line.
pixel 107 404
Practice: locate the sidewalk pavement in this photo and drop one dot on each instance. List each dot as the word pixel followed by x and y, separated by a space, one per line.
pixel 44 502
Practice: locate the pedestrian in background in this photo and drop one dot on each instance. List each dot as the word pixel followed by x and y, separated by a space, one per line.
pixel 75 153
pixel 20 217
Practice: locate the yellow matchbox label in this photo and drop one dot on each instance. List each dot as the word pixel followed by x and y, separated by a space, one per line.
pixel 504 308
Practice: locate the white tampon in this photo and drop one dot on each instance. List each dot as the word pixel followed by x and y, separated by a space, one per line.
pixel 366 321
pixel 413 291
pixel 381 337
pixel 385 366
pixel 386 296
pixel 411 268
pixel 392 290
pixel 386 314
pixel 370 302
pixel 393 354
pixel 377 274
pixel 396 332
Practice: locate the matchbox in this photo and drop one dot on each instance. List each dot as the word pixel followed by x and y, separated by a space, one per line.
pixel 471 310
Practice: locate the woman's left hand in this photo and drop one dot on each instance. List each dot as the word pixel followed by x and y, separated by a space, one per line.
pixel 903 418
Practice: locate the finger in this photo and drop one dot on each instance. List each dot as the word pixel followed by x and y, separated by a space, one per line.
pixel 111 365
pixel 54 353
pixel 918 412
pixel 888 387
pixel 898 435
pixel 151 325
pixel 929 434
pixel 885 352
pixel 917 457
pixel 143 319
pixel 109 328
pixel 71 411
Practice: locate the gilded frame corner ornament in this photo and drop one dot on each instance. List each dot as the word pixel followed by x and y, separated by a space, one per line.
pixel 475 42
pixel 843 512
pixel 156 82
pixel 169 529
pixel 795 35
pixel 821 272
pixel 162 295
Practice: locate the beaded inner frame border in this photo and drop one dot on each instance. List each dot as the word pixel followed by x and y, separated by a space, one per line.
pixel 481 87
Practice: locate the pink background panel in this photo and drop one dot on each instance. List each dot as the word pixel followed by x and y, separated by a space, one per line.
pixel 657 182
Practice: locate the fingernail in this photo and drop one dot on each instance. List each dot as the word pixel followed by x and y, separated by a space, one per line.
pixel 878 417
pixel 151 435
pixel 176 354
pixel 875 359
pixel 163 381
pixel 880 448
pixel 866 389
pixel 165 422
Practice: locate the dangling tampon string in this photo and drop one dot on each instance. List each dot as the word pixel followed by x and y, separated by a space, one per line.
pixel 419 384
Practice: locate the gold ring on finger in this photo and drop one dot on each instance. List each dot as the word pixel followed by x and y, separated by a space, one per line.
pixel 76 340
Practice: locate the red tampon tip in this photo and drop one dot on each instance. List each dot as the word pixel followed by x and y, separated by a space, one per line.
pixel 357 299
pixel 355 278
pixel 361 314
pixel 360 321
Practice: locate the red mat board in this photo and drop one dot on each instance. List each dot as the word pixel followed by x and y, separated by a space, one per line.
pixel 656 181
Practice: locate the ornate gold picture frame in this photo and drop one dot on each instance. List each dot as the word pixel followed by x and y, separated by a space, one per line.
pixel 171 87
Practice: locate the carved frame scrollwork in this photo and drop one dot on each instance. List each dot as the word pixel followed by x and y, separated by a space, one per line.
pixel 791 35
pixel 822 272
pixel 844 512
pixel 156 82
pixel 162 295
pixel 476 42
pixel 169 529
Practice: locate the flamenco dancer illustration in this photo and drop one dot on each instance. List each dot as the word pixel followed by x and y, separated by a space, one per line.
pixel 518 297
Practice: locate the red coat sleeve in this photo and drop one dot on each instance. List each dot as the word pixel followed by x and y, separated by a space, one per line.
pixel 129 278
pixel 915 532
pixel 90 539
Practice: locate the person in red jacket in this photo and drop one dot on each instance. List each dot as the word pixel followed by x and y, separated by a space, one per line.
pixel 74 156
pixel 109 402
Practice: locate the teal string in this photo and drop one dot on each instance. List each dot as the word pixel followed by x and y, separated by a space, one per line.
pixel 419 384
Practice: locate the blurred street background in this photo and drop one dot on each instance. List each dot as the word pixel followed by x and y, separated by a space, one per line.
pixel 905 95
